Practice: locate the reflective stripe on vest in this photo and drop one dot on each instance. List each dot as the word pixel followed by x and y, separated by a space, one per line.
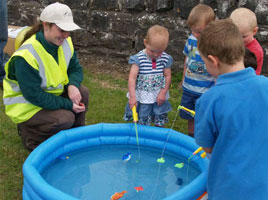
pixel 13 100
pixel 14 86
pixel 67 54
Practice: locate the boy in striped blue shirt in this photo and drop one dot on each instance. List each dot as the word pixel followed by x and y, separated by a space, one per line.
pixel 196 79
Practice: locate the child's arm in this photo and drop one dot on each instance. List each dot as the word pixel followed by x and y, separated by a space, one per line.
pixel 183 75
pixel 208 149
pixel 162 94
pixel 132 84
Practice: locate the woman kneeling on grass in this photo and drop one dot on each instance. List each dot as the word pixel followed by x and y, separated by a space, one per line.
pixel 42 88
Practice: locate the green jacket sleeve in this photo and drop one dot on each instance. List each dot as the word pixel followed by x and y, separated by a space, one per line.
pixel 30 81
pixel 75 72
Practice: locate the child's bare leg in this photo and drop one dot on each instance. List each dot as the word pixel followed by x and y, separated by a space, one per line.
pixel 191 127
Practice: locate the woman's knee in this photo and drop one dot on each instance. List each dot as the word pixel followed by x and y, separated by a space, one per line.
pixel 43 125
pixel 84 93
pixel 64 119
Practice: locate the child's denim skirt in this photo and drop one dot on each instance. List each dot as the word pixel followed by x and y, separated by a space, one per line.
pixel 150 113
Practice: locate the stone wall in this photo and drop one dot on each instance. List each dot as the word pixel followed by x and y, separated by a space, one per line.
pixel 114 29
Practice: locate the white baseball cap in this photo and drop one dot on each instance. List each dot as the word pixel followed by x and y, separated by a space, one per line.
pixel 59 14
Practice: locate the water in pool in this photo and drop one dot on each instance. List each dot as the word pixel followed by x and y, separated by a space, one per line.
pixel 97 173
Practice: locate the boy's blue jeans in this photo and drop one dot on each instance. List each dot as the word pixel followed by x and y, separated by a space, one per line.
pixel 3 35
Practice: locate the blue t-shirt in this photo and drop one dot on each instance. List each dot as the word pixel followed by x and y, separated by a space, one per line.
pixel 196 80
pixel 232 117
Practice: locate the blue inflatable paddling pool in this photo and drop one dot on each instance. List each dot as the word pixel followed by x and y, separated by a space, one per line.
pixel 67 141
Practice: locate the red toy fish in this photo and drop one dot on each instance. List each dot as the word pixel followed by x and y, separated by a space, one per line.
pixel 118 195
pixel 139 188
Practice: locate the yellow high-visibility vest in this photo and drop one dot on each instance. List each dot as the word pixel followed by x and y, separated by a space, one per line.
pixel 54 76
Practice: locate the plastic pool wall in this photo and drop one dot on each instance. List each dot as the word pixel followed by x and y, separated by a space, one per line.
pixel 67 141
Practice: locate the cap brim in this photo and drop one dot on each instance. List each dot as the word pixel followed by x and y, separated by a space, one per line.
pixel 68 26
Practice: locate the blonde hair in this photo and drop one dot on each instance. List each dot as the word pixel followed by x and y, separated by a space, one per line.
pixel 244 18
pixel 156 30
pixel 200 14
pixel 222 39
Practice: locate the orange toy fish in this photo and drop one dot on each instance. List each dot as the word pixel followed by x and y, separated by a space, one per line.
pixel 139 188
pixel 118 195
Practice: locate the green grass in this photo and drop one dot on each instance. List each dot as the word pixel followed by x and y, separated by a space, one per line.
pixel 106 104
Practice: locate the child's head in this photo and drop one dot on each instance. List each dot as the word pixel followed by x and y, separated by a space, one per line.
pixel 250 59
pixel 199 18
pixel 221 42
pixel 246 22
pixel 156 41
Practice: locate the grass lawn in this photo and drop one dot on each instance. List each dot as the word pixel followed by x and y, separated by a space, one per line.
pixel 107 103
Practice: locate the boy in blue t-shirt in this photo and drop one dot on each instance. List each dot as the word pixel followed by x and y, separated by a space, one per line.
pixel 231 118
pixel 196 79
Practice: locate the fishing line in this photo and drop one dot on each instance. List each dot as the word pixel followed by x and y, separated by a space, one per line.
pixel 161 159
pixel 162 154
pixel 135 119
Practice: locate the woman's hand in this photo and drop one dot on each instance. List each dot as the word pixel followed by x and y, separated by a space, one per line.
pixel 74 94
pixel 78 108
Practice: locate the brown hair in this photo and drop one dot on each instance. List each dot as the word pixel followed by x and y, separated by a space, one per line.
pixel 200 14
pixel 222 38
pixel 34 29
pixel 250 59
pixel 156 30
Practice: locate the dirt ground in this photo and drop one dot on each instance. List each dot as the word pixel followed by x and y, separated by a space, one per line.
pixel 105 66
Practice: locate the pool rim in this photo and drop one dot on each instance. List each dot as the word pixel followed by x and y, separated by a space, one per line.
pixel 67 141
